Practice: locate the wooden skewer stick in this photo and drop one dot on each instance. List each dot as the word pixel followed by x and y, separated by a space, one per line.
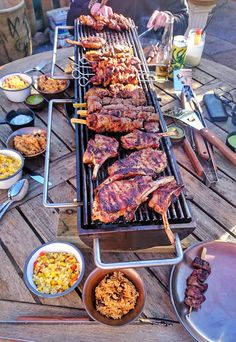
pixel 82 112
pixel 78 121
pixel 203 257
pixel 79 105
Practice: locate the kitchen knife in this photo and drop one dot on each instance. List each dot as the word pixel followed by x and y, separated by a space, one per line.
pixel 34 175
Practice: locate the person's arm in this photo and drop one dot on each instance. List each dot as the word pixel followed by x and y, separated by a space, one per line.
pixel 179 10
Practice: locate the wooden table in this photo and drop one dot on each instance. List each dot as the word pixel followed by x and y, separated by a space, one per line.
pixel 28 224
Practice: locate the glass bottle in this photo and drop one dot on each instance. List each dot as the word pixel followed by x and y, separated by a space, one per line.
pixel 164 51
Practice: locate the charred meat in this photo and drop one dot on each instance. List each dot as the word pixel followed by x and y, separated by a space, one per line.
pixel 123 197
pixel 99 150
pixel 138 140
pixel 89 42
pixel 161 201
pixel 144 162
pixel 115 22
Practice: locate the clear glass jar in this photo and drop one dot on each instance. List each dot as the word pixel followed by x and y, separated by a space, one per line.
pixel 195 46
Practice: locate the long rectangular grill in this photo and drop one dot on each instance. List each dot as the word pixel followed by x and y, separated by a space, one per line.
pixel 145 217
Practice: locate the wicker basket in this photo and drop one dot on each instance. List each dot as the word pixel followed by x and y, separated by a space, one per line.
pixel 15 35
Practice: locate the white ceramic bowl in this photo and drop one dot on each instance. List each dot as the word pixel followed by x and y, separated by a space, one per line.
pixel 52 247
pixel 6 183
pixel 17 95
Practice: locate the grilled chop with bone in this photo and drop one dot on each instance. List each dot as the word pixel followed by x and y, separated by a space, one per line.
pixel 160 202
pixel 99 150
pixel 91 42
pixel 138 140
pixel 123 197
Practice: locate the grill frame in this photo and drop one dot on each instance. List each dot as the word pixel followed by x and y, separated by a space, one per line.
pixel 140 233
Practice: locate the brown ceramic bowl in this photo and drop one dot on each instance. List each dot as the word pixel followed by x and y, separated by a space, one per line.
pixel 89 296
pixel 53 94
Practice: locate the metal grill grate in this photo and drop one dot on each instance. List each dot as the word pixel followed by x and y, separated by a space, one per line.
pixel 179 211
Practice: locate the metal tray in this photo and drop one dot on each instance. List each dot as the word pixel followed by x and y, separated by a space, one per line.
pixel 216 320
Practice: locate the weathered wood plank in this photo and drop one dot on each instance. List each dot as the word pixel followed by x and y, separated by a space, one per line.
pixel 12 286
pixel 60 170
pixel 11 310
pixel 201 76
pixel 93 332
pixel 220 71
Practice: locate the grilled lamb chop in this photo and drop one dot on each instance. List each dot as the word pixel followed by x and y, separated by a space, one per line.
pixel 144 162
pixel 151 126
pixel 123 197
pixel 138 140
pixel 161 201
pixel 99 150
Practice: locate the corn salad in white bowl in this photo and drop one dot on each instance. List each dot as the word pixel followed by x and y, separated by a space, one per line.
pixel 54 269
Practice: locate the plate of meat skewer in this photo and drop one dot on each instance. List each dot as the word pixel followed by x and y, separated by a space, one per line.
pixel 203 291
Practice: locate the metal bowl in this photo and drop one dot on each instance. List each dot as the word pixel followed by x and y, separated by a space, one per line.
pixel 52 247
pixel 51 95
pixel 21 131
pixel 89 296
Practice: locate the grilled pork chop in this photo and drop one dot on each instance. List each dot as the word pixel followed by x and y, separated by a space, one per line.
pixel 161 201
pixel 138 140
pixel 123 197
pixel 99 150
pixel 144 162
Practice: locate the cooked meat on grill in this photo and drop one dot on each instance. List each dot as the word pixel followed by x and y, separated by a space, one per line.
pixel 193 281
pixel 99 150
pixel 201 264
pixel 144 162
pixel 151 126
pixel 111 71
pixel 115 22
pixel 107 104
pixel 161 201
pixel 97 56
pixel 89 42
pixel 195 302
pixel 113 124
pixel 123 197
pixel 131 114
pixel 120 91
pixel 138 140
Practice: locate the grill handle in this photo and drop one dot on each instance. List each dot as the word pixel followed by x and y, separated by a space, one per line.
pixel 135 264
pixel 54 57
pixel 46 203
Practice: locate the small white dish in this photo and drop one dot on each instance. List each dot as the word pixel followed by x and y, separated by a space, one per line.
pixel 7 182
pixel 52 247
pixel 17 95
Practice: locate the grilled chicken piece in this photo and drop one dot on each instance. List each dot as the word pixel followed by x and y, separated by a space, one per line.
pixel 161 201
pixel 151 126
pixel 138 140
pixel 86 20
pixel 99 150
pixel 115 22
pixel 123 197
pixel 109 123
pixel 89 42
pixel 144 162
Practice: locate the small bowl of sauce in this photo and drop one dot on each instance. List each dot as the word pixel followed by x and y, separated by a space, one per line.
pixel 20 118
pixel 35 102
pixel 231 141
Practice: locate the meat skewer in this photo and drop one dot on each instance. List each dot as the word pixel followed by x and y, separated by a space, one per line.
pixel 123 197
pixel 195 282
pixel 161 201
pixel 138 140
pixel 89 42
pixel 99 150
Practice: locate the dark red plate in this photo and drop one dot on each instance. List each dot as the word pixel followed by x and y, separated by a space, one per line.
pixel 216 320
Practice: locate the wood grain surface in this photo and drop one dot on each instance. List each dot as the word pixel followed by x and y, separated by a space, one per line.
pixel 28 224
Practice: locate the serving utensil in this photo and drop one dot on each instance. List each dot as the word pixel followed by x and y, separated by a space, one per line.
pixel 38 67
pixel 16 193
